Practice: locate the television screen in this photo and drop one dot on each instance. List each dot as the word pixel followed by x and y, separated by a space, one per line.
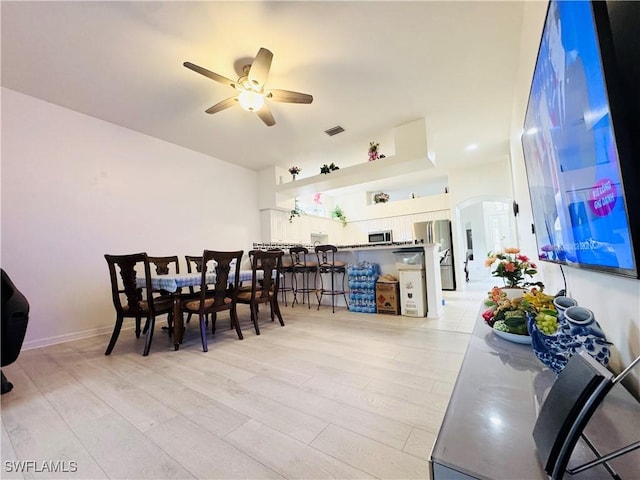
pixel 580 210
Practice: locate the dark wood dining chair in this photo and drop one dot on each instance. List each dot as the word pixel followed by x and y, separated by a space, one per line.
pixel 242 287
pixel 264 290
pixel 218 297
pixel 130 301
pixel 164 266
pixel 194 264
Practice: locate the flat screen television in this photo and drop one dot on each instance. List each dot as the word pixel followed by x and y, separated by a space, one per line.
pixel 580 137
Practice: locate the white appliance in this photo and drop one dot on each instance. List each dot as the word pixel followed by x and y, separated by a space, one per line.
pixel 439 233
pixel 413 282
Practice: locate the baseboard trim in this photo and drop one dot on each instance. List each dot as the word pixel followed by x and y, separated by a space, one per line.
pixel 48 341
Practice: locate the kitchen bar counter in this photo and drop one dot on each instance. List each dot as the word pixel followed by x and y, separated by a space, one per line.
pixel 383 255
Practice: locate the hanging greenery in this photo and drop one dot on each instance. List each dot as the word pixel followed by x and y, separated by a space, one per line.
pixel 338 213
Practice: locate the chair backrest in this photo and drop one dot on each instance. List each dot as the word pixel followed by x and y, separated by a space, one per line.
pixel 326 255
pixel 225 263
pixel 193 261
pixel 165 265
pixel 123 271
pixel 270 263
pixel 298 256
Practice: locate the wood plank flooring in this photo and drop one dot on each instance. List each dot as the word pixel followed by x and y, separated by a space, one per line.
pixel 344 395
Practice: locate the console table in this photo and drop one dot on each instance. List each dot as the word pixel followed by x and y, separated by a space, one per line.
pixel 487 429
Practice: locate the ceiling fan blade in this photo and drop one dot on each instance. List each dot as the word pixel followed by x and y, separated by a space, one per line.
pixel 209 74
pixel 289 97
pixel 259 70
pixel 265 115
pixel 229 102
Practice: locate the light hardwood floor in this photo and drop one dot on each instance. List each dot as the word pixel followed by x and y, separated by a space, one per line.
pixel 344 395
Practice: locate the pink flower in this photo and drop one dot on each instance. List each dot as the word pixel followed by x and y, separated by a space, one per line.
pixel 509 267
pixel 522 258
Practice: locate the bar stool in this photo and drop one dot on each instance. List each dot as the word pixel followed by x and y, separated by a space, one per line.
pixel 287 268
pixel 300 267
pixel 327 264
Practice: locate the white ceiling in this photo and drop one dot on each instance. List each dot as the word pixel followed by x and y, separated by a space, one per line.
pixel 370 66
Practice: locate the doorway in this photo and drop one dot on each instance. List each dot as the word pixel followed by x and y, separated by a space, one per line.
pixel 489 222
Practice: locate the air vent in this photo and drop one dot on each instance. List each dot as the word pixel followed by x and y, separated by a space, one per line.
pixel 334 131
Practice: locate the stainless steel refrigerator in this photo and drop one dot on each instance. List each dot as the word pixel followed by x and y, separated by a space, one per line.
pixel 439 232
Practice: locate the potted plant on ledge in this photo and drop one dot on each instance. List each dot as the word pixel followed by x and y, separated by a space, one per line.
pixel 294 171
pixel 328 168
pixel 381 197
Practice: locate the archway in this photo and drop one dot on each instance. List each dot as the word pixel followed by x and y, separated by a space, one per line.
pixel 484 223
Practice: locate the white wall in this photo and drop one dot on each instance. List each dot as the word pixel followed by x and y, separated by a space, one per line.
pixel 614 300
pixel 75 187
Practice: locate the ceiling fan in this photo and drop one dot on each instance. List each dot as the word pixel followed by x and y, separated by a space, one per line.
pixel 251 88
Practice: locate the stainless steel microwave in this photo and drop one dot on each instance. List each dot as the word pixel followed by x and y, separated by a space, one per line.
pixel 385 236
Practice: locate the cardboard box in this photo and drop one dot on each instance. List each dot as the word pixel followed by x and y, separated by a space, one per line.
pixel 388 298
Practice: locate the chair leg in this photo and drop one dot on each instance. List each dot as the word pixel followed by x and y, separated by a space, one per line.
pixel 138 327
pixel 149 327
pixel 7 386
pixel 203 332
pixel 170 323
pixel 114 335
pixel 254 318
pixel 236 322
pixel 294 289
pixel 214 317
pixel 276 308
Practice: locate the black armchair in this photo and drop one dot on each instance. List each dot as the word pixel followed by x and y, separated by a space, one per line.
pixel 15 316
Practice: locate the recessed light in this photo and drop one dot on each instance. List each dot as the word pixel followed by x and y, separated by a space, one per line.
pixel 471 147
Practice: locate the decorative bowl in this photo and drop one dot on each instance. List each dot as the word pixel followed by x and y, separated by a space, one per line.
pixel 512 337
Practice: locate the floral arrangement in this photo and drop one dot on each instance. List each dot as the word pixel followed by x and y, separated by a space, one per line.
pixel 512 267
pixel 328 168
pixel 381 197
pixel 295 170
pixel 373 151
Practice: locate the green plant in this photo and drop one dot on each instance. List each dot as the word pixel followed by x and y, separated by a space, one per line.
pixel 296 212
pixel 338 213
pixel 329 168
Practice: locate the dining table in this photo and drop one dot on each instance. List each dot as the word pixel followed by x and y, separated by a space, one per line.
pixel 172 283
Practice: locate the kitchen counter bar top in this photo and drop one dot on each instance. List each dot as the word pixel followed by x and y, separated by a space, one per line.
pixel 377 246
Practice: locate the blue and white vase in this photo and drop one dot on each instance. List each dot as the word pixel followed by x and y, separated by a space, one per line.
pixel 562 303
pixel 552 350
pixel 585 330
pixel 577 330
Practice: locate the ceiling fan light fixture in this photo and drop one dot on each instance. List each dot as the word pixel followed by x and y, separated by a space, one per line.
pixel 250 100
